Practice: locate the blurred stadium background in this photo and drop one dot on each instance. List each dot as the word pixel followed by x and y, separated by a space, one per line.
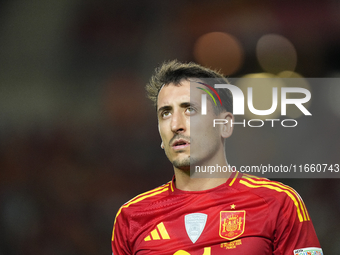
pixel 78 137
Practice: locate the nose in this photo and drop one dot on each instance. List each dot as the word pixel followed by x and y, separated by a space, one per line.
pixel 178 123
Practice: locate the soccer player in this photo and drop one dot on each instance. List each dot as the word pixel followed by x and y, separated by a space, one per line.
pixel 233 214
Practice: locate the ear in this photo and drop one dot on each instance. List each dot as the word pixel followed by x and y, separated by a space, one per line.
pixel 162 145
pixel 227 129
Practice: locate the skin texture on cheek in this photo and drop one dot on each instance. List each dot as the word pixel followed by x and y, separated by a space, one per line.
pixel 206 141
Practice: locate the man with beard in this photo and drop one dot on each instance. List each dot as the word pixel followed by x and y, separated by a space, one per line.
pixel 235 213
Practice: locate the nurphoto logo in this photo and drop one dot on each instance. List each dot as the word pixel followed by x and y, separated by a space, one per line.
pixel 239 104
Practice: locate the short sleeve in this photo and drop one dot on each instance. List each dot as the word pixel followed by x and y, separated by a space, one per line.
pixel 294 233
pixel 120 236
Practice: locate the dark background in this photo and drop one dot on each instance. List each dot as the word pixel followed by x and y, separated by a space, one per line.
pixel 78 137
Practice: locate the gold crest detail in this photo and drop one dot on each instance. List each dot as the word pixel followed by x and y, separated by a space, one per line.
pixel 232 224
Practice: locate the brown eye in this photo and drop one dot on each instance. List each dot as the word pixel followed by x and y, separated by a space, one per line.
pixel 165 114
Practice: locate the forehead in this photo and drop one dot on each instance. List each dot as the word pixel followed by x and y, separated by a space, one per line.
pixel 172 93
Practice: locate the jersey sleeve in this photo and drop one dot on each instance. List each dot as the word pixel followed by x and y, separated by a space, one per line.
pixel 295 232
pixel 120 235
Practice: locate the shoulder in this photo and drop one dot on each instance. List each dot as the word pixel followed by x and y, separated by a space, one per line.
pixel 267 188
pixel 276 194
pixel 144 199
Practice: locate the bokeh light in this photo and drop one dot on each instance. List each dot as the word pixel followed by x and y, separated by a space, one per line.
pixel 262 84
pixel 276 53
pixel 289 74
pixel 219 51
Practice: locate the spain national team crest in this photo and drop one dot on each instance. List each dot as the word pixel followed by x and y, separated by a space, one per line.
pixel 232 224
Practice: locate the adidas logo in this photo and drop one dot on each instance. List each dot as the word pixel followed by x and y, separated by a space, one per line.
pixel 158 233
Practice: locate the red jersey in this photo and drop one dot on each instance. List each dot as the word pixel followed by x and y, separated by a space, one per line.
pixel 245 215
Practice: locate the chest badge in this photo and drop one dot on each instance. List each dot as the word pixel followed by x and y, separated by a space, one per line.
pixel 232 224
pixel 194 225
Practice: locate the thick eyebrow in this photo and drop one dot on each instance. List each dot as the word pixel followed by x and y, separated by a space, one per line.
pixel 166 107
pixel 185 104
pixel 188 104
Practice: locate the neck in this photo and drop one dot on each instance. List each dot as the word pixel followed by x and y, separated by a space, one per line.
pixel 191 183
